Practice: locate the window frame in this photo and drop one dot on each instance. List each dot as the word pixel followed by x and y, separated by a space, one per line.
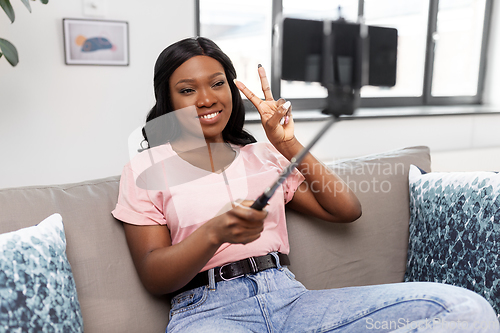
pixel 376 102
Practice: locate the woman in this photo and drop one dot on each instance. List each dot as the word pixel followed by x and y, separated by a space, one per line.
pixel 223 262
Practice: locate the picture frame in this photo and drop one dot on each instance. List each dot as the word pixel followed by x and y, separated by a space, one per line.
pixel 95 42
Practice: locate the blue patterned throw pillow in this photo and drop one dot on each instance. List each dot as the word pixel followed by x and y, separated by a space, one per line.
pixel 37 289
pixel 455 231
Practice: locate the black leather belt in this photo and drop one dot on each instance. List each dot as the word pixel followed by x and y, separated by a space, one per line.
pixel 235 270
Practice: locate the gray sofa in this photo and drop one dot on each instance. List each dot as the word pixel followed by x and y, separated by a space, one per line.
pixel 372 250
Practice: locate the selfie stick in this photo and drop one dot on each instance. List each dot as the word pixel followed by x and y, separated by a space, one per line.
pixel 342 99
pixel 262 200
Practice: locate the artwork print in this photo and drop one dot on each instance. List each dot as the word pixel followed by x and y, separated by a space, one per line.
pixel 95 42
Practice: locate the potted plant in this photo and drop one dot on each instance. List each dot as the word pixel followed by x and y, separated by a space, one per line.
pixel 7 49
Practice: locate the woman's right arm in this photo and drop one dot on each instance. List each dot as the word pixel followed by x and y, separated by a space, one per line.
pixel 164 268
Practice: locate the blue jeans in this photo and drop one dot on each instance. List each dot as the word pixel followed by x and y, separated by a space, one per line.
pixel 273 301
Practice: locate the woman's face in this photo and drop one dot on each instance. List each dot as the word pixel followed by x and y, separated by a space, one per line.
pixel 201 81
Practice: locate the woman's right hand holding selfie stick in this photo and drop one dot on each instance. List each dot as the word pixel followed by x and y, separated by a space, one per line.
pixel 240 225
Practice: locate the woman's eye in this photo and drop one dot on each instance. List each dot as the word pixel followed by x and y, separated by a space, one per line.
pixel 219 83
pixel 186 91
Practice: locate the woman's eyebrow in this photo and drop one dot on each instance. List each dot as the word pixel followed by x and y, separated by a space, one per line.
pixel 215 75
pixel 184 80
pixel 192 80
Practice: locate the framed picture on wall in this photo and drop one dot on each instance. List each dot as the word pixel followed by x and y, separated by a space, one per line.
pixel 95 42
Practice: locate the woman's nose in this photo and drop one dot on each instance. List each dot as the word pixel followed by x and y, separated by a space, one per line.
pixel 206 98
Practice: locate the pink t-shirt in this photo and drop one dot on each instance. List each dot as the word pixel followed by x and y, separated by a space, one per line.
pixel 159 188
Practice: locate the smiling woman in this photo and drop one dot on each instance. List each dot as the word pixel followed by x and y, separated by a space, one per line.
pixel 186 207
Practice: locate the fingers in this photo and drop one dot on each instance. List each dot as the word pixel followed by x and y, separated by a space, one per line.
pixel 275 112
pixel 266 88
pixel 282 115
pixel 242 210
pixel 243 224
pixel 250 95
pixel 288 109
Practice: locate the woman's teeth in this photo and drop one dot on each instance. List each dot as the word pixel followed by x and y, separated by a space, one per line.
pixel 209 116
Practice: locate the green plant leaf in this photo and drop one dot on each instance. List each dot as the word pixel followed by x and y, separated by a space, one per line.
pixel 9 51
pixel 7 8
pixel 27 4
pixel 45 1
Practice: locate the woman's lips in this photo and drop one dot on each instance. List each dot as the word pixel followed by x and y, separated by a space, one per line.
pixel 209 117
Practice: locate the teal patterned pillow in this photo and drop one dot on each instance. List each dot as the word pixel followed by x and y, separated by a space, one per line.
pixel 37 289
pixel 455 230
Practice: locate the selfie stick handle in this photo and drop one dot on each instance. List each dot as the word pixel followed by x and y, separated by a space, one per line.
pixel 262 200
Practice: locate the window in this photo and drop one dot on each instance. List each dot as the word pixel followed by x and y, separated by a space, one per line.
pixel 441 45
pixel 242 29
pixel 458 40
pixel 410 17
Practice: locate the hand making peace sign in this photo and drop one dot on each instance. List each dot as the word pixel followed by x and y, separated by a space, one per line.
pixel 275 115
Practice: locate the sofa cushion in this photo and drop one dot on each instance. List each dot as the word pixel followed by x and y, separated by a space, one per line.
pixel 454 230
pixel 111 295
pixel 37 289
pixel 371 250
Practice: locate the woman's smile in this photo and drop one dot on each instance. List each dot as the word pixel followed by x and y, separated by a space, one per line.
pixel 209 117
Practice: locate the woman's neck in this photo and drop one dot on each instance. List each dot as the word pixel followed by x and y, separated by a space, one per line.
pixel 210 156
pixel 189 142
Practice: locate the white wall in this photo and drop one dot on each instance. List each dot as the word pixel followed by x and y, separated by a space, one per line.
pixel 62 123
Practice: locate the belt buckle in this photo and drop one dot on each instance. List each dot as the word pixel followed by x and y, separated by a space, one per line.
pixel 223 278
pixel 253 265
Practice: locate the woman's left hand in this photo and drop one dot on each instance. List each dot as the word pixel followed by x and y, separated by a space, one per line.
pixel 276 116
